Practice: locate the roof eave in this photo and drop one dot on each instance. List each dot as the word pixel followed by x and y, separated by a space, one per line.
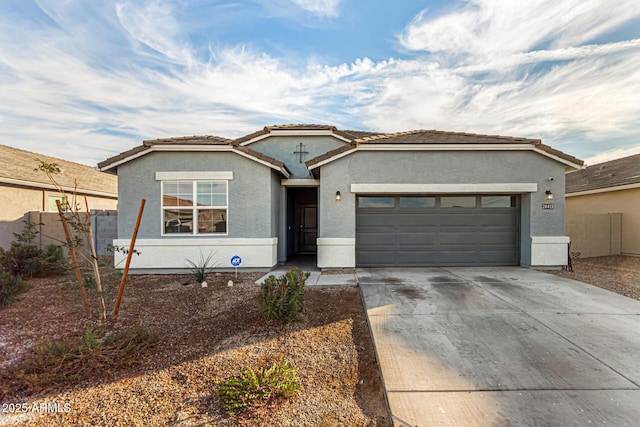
pixel 111 165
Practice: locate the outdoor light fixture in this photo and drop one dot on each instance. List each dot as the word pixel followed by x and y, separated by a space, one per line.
pixel 548 195
pixel 338 196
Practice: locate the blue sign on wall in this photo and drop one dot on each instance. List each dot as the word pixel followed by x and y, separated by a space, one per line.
pixel 236 261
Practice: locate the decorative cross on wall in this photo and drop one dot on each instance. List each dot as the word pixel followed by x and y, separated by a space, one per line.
pixel 300 151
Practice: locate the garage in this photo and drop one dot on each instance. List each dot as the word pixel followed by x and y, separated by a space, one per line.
pixel 437 230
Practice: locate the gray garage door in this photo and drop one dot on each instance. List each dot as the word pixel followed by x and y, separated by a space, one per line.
pixel 415 231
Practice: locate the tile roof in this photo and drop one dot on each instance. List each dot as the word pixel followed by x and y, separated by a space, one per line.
pixel 348 134
pixel 185 140
pixel 206 140
pixel 609 174
pixel 354 138
pixel 440 137
pixel 18 166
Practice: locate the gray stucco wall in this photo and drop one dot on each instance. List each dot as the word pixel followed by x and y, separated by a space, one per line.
pixel 249 200
pixel 283 148
pixel 337 219
pixel 275 204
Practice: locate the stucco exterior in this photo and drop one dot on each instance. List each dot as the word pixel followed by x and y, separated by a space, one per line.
pixel 453 167
pixel 272 186
pixel 252 226
pixel 625 202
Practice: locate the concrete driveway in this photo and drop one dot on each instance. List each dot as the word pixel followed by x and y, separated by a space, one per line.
pixel 506 346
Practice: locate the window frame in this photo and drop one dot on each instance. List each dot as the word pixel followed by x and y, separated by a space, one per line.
pixel 194 208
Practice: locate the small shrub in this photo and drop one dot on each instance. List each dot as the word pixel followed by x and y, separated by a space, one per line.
pixel 54 260
pixel 10 287
pixel 282 298
pixel 22 259
pixel 262 386
pixel 65 362
pixel 204 266
pixel 25 259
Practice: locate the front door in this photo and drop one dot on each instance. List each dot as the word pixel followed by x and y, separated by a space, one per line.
pixel 307 227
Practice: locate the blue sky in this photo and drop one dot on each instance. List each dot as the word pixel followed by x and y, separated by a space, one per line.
pixel 84 80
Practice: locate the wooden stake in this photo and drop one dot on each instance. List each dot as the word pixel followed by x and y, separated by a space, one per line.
pixel 96 267
pixel 74 259
pixel 126 267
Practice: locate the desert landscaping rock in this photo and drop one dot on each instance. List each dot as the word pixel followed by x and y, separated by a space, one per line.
pixel 619 274
pixel 206 335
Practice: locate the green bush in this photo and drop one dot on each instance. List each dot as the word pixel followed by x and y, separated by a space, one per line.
pixel 22 259
pixel 54 260
pixel 10 287
pixel 253 387
pixel 25 259
pixel 282 298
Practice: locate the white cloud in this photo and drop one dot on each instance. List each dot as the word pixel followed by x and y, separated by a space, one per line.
pixel 497 27
pixel 327 8
pixel 611 155
pixel 135 76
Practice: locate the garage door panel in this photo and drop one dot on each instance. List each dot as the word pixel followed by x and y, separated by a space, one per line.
pixel 507 237
pixel 459 256
pixel 377 240
pixel 456 219
pixel 426 239
pixel 414 219
pixel 372 220
pixel 506 219
pixel 460 238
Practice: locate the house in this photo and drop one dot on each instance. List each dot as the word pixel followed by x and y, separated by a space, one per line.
pixel 23 190
pixel 603 208
pixel 351 198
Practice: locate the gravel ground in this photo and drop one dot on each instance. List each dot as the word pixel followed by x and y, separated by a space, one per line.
pixel 206 335
pixel 620 274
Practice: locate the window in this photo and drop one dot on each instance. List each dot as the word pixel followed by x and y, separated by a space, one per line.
pixel 417 202
pixel 458 202
pixel 376 202
pixel 51 202
pixel 498 201
pixel 194 207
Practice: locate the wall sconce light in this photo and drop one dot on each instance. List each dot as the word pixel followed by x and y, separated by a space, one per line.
pixel 548 195
pixel 338 196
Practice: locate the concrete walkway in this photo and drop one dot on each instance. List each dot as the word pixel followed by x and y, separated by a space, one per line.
pixel 503 346
pixel 316 277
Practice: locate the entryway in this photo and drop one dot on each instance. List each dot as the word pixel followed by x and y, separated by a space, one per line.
pixel 302 222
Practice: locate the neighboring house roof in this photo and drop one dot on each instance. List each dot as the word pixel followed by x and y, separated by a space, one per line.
pixel 191 143
pixel 355 140
pixel 438 140
pixel 17 167
pixel 613 175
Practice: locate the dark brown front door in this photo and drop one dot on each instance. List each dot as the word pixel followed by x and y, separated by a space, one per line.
pixel 307 227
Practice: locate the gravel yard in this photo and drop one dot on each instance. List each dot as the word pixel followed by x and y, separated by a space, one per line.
pixel 620 274
pixel 206 335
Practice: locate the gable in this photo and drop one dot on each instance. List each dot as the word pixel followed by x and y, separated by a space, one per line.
pixel 194 144
pixel 295 150
pixel 432 140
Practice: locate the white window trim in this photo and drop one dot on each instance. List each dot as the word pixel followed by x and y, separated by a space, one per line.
pixel 193 208
pixel 489 188
pixel 195 176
